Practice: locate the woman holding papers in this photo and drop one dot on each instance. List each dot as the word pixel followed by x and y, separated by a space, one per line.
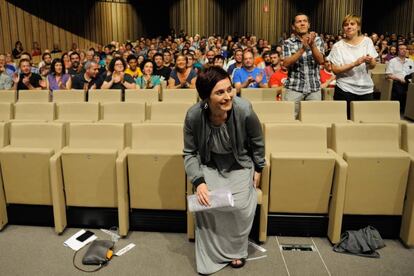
pixel 223 149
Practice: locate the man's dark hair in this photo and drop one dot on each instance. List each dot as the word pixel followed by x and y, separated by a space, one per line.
pixel 218 57
pixel 157 55
pixel 131 57
pixel 46 54
pixel 299 13
pixel 73 54
pixel 208 78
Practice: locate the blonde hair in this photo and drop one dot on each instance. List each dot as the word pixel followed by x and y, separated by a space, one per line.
pixel 353 17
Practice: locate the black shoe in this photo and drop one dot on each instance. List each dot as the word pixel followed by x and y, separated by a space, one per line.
pixel 238 265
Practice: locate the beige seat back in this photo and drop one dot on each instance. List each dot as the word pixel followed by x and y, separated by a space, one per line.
pixel 260 94
pixel 379 68
pixel 365 138
pixel 409 105
pixel 168 112
pixel 25 163
pixel 383 85
pixel 104 95
pixel 375 111
pixel 306 188
pixel 156 167
pixel 377 168
pixel 180 95
pixel 6 111
pixel 123 112
pixel 71 96
pixel 142 95
pixel 408 138
pixel 96 136
pixel 8 96
pixel 323 112
pixel 81 111
pixel 34 95
pixel 89 164
pixel 34 111
pixel 274 111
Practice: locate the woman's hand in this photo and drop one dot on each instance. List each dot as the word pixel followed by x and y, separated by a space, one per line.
pixel 202 194
pixel 256 179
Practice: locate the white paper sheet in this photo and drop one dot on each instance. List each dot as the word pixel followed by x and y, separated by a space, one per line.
pixel 73 243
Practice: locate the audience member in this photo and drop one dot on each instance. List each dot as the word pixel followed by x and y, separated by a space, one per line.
pixel 148 80
pixel 118 79
pixel 89 79
pixel 351 58
pixel 328 78
pixel 249 76
pixel 26 80
pixel 18 50
pixel 36 51
pixel 160 69
pixel 399 70
pixel 182 76
pixel 57 78
pixel 133 70
pixel 6 81
pixel 303 53
pixel 76 66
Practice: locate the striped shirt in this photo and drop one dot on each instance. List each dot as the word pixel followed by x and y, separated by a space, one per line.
pixel 303 76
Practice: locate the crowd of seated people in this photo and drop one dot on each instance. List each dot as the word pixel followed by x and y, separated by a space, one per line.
pixel 174 60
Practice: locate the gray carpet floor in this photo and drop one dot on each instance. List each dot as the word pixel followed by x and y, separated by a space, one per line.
pixel 28 250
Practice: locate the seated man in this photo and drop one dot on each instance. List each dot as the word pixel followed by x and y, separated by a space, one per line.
pixel 160 69
pixel 26 80
pixel 6 81
pixel 218 61
pixel 88 80
pixel 397 70
pixel 133 69
pixel 249 76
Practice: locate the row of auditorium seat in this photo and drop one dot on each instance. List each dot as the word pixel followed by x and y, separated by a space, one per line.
pixel 364 172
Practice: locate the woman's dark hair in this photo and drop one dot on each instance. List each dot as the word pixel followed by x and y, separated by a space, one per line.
pixel 142 65
pixel 208 78
pixel 112 64
pixel 52 66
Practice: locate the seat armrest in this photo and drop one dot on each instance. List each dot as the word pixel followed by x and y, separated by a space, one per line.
pixel 336 204
pixel 57 191
pixel 122 190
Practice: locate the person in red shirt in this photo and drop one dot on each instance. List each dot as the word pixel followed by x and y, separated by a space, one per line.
pixel 279 77
pixel 328 78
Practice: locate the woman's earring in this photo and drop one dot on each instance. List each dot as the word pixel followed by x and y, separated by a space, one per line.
pixel 205 105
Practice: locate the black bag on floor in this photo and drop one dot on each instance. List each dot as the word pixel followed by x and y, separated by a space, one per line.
pixel 363 242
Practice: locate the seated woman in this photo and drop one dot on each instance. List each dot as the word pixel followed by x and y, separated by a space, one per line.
pixel 117 79
pixel 223 148
pixel 182 76
pixel 148 80
pixel 57 78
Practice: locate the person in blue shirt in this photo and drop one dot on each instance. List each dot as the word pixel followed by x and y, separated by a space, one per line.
pixel 249 76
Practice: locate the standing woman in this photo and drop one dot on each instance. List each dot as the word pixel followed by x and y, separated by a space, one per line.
pixel 182 76
pixel 351 59
pixel 58 79
pixel 223 148
pixel 148 80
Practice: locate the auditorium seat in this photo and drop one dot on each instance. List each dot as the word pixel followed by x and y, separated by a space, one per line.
pixel 407 224
pixel 168 112
pixel 328 94
pixel 8 96
pixel 375 112
pixel 25 164
pixel 377 168
pixel 124 112
pixel 155 171
pixel 409 106
pixel 379 68
pixel 142 95
pixel 323 112
pixel 274 111
pixel 304 176
pixel 34 96
pixel 382 85
pixel 179 95
pixel 34 111
pixel 77 112
pixel 104 95
pixel 4 140
pixel 73 95
pixel 6 111
pixel 86 169
pixel 260 94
